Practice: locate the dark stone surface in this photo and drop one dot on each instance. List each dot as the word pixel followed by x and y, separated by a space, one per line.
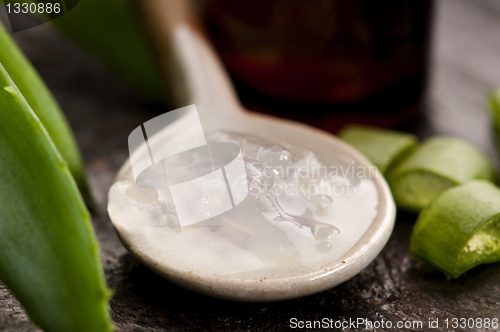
pixel 103 110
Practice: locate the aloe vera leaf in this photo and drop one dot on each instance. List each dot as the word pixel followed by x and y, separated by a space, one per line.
pixel 49 256
pixel 111 30
pixel 460 229
pixel 438 164
pixel 384 148
pixel 43 104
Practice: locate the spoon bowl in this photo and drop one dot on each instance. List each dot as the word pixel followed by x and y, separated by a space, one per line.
pixel 194 75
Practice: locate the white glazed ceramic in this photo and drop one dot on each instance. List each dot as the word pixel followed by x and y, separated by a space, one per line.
pixel 194 76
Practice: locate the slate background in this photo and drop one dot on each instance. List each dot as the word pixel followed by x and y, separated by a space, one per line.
pixel 103 110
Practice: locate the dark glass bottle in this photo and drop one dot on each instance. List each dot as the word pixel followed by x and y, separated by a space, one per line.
pixel 325 62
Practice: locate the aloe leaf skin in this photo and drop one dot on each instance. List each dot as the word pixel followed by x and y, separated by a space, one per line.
pixel 49 256
pixel 44 105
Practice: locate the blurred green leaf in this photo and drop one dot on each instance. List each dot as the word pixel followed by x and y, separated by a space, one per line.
pixel 110 30
pixel 494 108
pixel 49 256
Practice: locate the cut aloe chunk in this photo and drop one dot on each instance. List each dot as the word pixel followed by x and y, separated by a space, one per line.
pixel 384 148
pixel 440 163
pixel 460 229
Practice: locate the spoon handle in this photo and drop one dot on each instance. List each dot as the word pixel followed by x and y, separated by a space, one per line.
pixel 191 69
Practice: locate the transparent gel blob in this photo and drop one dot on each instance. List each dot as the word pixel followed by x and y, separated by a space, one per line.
pixel 301 214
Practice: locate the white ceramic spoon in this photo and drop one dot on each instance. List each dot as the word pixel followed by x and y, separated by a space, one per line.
pixel 194 75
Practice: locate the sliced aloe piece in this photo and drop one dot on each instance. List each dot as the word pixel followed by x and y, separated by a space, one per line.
pixel 440 163
pixel 384 148
pixel 43 104
pixel 460 229
pixel 49 256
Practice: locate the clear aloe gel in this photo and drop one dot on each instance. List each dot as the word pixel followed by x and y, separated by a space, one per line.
pixel 302 212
